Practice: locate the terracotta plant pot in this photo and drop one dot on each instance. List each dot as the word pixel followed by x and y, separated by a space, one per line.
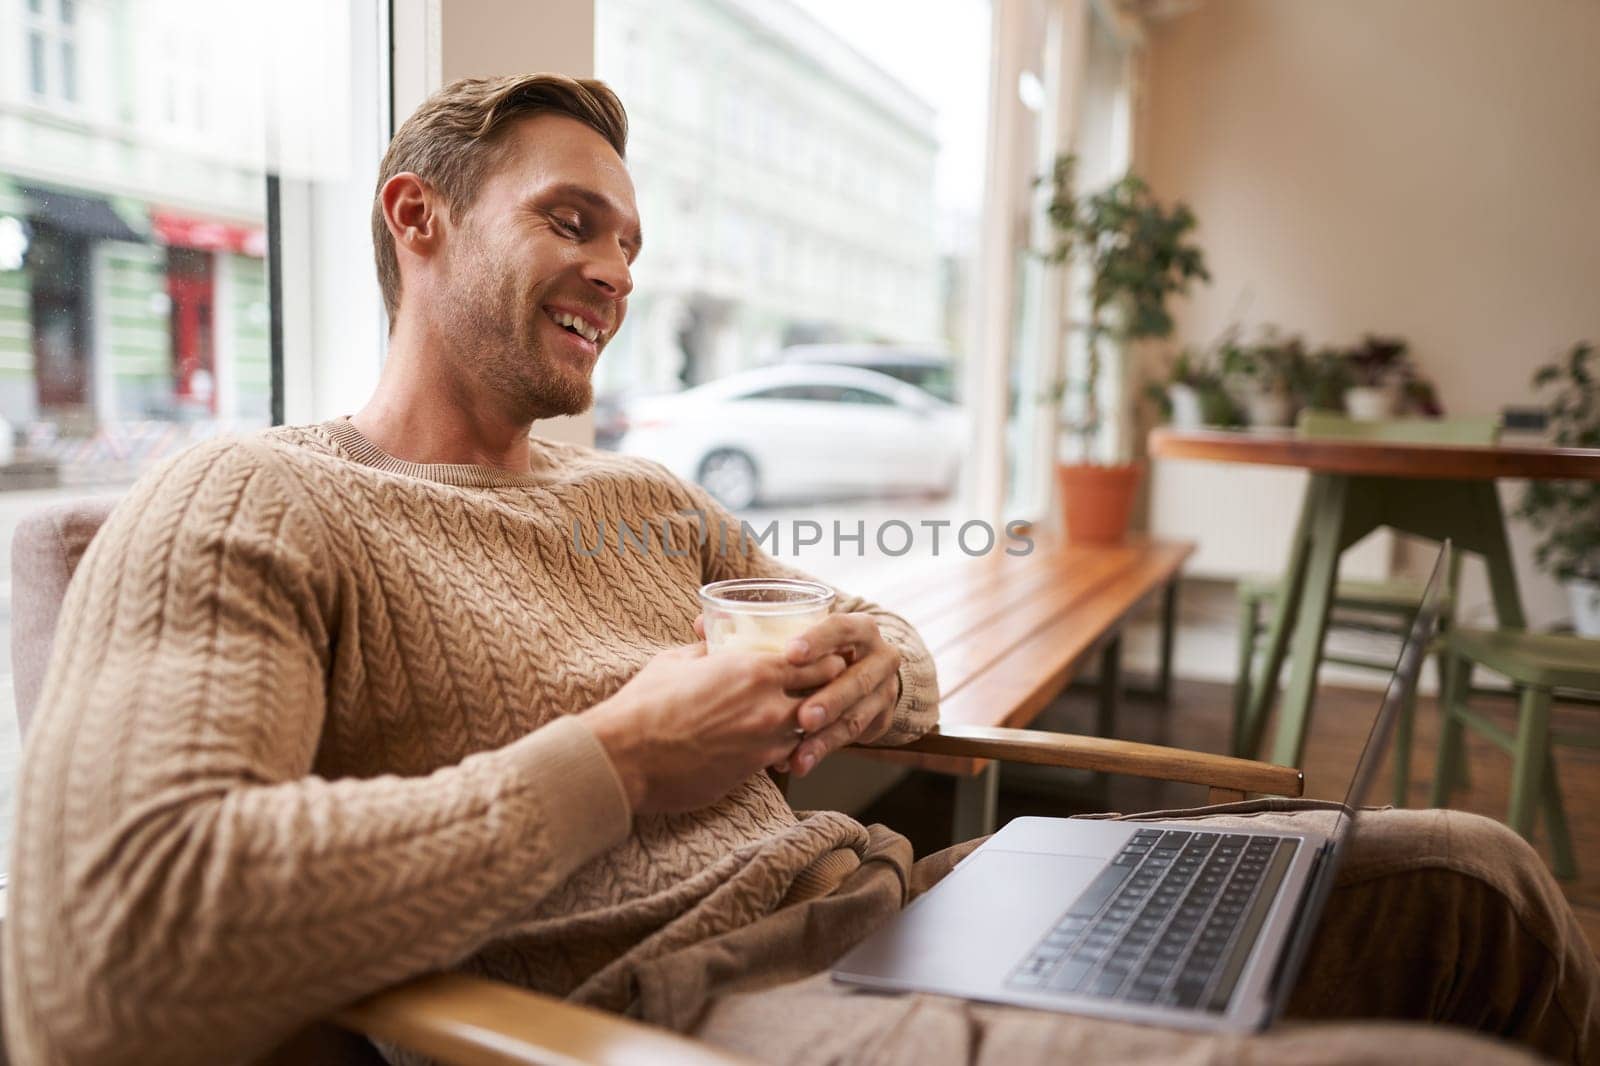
pixel 1096 500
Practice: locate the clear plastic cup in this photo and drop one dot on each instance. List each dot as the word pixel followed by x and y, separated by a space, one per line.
pixel 761 614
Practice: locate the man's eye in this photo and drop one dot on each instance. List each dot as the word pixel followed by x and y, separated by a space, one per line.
pixel 568 226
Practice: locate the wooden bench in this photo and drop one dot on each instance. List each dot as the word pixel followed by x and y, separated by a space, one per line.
pixel 1009 633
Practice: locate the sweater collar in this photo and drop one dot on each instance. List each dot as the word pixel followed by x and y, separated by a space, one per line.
pixel 357 448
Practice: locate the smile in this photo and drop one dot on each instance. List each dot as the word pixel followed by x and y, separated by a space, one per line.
pixel 576 324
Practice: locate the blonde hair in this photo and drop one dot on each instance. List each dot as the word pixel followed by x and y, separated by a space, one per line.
pixel 454 139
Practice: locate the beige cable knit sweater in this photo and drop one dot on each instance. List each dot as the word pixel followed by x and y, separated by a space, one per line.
pixel 305 733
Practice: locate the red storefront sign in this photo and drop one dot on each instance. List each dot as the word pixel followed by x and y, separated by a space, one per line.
pixel 208 235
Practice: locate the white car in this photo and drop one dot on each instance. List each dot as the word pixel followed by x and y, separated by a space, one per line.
pixel 928 369
pixel 787 433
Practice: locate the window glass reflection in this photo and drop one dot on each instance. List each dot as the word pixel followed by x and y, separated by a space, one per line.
pixel 796 332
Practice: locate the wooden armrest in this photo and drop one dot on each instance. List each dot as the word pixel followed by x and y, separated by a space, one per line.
pixel 1222 773
pixel 471 1021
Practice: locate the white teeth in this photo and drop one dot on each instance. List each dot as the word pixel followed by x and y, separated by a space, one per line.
pixel 585 330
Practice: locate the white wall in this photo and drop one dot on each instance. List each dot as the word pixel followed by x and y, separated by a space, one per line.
pixel 1428 167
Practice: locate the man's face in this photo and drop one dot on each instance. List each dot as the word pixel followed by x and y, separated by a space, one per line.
pixel 536 277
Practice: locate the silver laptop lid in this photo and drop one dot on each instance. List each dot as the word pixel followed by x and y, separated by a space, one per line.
pixel 1402 684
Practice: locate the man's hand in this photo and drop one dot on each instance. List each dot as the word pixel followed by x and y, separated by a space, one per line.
pixel 857 706
pixel 691 726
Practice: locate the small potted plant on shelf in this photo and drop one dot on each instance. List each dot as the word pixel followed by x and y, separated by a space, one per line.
pixel 1263 375
pixel 1377 368
pixel 1138 254
pixel 1566 514
pixel 1320 381
pixel 1417 396
pixel 1191 393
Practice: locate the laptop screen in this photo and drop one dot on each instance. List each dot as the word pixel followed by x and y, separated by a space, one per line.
pixel 1402 683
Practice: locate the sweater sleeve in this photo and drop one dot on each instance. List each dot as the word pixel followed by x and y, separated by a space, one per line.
pixel 729 556
pixel 184 888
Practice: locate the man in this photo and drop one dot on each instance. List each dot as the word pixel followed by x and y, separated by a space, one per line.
pixel 337 705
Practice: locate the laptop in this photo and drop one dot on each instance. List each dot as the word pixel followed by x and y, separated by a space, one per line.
pixel 1165 923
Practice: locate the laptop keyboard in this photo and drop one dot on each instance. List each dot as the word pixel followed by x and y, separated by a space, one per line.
pixel 1170 921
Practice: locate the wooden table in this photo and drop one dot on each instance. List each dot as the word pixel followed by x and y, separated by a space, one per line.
pixel 1434 491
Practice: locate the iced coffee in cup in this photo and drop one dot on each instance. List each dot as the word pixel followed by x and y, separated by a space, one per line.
pixel 761 614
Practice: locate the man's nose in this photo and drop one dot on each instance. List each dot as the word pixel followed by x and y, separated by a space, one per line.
pixel 608 271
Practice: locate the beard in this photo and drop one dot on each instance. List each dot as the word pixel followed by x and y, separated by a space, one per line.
pixel 494 324
pixel 534 386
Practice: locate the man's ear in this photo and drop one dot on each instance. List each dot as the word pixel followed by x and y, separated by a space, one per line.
pixel 414 214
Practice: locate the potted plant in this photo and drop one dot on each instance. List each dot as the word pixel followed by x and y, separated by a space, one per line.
pixel 1567 513
pixel 1320 380
pixel 1263 376
pixel 1377 367
pixel 1192 395
pixel 1417 396
pixel 1138 254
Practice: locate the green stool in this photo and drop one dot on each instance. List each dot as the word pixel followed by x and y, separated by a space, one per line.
pixel 1386 606
pixel 1538 664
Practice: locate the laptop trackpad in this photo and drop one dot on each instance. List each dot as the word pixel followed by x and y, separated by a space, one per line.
pixel 975 926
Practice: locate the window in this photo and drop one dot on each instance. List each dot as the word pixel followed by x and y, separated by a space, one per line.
pixel 862 396
pixel 686 92
pixel 939 381
pixel 135 301
pixel 806 393
pixel 1082 62
pixel 823 394
pixel 52 29
pixel 831 201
